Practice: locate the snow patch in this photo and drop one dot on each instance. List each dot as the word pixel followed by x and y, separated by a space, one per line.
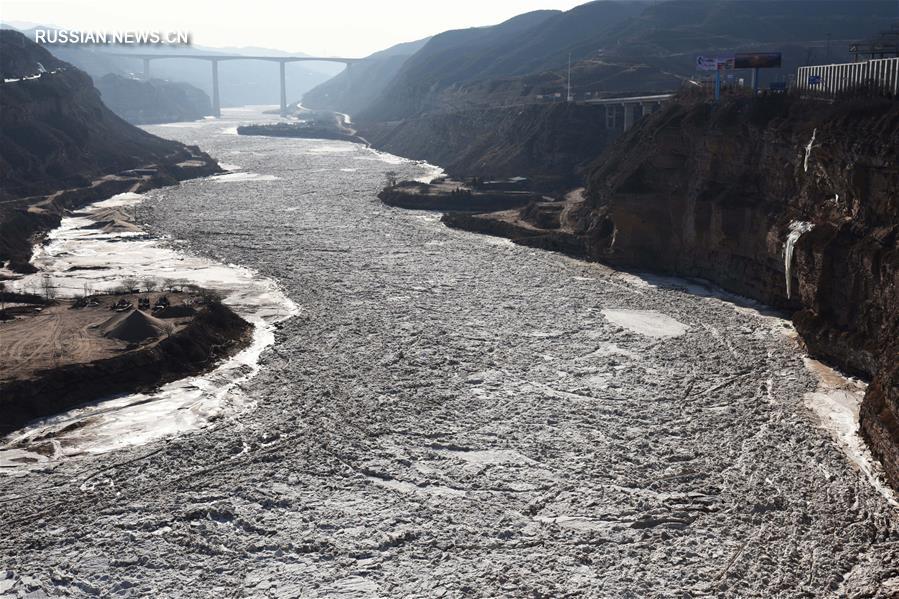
pixel 646 322
pixel 410 488
pixel 797 229
pixel 235 177
pixel 836 403
pixel 487 456
pixel 41 71
pixel 808 150
pixel 579 523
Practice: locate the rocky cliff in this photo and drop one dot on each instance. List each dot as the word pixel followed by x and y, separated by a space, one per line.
pixel 546 143
pixel 154 101
pixel 788 201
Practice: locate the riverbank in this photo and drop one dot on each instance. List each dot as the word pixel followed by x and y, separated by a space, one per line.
pixel 75 351
pixel 546 225
pixel 25 222
pixel 102 249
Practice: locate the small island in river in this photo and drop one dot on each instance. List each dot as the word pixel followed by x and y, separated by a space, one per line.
pixel 313 125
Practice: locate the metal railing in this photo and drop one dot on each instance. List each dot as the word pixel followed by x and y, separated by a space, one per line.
pixel 879 75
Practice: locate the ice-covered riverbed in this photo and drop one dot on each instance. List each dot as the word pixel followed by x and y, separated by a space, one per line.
pixel 451 415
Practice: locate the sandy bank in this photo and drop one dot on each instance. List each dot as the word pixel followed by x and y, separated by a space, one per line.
pixel 63 355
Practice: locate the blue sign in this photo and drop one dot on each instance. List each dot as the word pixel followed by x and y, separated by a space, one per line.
pixel 814 79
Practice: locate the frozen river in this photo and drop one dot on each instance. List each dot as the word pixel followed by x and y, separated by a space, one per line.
pixel 446 414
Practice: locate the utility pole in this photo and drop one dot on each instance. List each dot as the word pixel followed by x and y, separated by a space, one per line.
pixel 568 93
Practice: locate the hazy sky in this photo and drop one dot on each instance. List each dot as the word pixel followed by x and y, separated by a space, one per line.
pixel 351 28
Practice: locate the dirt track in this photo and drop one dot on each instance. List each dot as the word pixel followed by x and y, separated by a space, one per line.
pixel 454 415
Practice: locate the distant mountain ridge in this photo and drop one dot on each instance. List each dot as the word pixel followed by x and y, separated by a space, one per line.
pixel 362 83
pixel 616 47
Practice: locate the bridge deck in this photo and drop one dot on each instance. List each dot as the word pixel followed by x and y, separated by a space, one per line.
pixel 216 57
pixel 630 100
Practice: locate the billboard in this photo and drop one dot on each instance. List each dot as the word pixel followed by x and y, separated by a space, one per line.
pixel 758 60
pixel 715 63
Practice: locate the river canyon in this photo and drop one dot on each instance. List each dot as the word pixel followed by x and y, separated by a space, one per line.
pixel 431 412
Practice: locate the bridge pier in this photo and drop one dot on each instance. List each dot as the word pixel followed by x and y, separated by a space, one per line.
pixel 215 59
pixel 283 89
pixel 610 116
pixel 628 116
pixel 216 104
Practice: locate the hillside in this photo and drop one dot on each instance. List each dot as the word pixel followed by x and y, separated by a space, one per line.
pixel 667 37
pixel 56 134
pixel 616 48
pixel 55 130
pixel 360 84
pixel 532 42
pixel 155 101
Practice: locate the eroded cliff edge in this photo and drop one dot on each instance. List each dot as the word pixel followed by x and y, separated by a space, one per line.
pixel 549 144
pixel 715 191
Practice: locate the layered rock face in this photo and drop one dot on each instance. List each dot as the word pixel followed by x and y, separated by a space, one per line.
pixel 788 201
pixel 548 143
